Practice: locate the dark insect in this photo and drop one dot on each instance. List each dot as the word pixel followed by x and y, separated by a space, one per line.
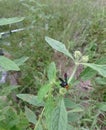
pixel 64 83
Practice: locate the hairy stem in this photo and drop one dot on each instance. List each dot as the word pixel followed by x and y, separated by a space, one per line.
pixel 73 73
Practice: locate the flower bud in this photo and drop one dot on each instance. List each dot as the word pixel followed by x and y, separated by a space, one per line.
pixel 62 91
pixel 85 59
pixel 77 55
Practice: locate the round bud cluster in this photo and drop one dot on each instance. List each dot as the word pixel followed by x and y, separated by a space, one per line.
pixel 80 58
pixel 77 55
pixel 85 59
pixel 62 91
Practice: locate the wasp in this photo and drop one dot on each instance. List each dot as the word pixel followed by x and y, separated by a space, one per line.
pixel 64 83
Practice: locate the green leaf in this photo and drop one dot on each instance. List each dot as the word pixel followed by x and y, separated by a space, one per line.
pixel 88 73
pixel 52 72
pixel 49 106
pixel 59 117
pixel 69 103
pixel 58 46
pixel 74 117
pixel 31 99
pixel 30 115
pixel 21 61
pixel 8 64
pixel 101 69
pixel 43 91
pixel 6 21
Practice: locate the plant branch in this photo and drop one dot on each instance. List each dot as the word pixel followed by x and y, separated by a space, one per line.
pixel 40 117
pixel 72 75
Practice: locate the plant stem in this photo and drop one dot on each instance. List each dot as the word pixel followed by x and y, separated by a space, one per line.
pixel 72 75
pixel 40 117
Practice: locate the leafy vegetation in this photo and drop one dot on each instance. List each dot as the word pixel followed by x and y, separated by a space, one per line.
pixel 41 100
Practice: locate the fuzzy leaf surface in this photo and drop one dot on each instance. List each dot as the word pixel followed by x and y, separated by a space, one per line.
pixel 31 99
pixel 8 64
pixel 101 69
pixel 52 72
pixel 30 115
pixel 43 91
pixel 59 117
pixel 49 106
pixel 59 46
pixel 6 21
pixel 88 73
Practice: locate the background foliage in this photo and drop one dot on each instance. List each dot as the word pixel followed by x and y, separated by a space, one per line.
pixel 81 25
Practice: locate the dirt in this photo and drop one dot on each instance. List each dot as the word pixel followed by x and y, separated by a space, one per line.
pixel 65 66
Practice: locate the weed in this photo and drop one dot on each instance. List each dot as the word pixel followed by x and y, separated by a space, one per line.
pixel 81 26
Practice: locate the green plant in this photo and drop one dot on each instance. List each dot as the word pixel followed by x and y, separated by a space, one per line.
pixel 57 110
pixel 68 21
pixel 10 119
pixel 81 26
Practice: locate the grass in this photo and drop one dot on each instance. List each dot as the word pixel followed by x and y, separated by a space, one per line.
pixel 81 25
